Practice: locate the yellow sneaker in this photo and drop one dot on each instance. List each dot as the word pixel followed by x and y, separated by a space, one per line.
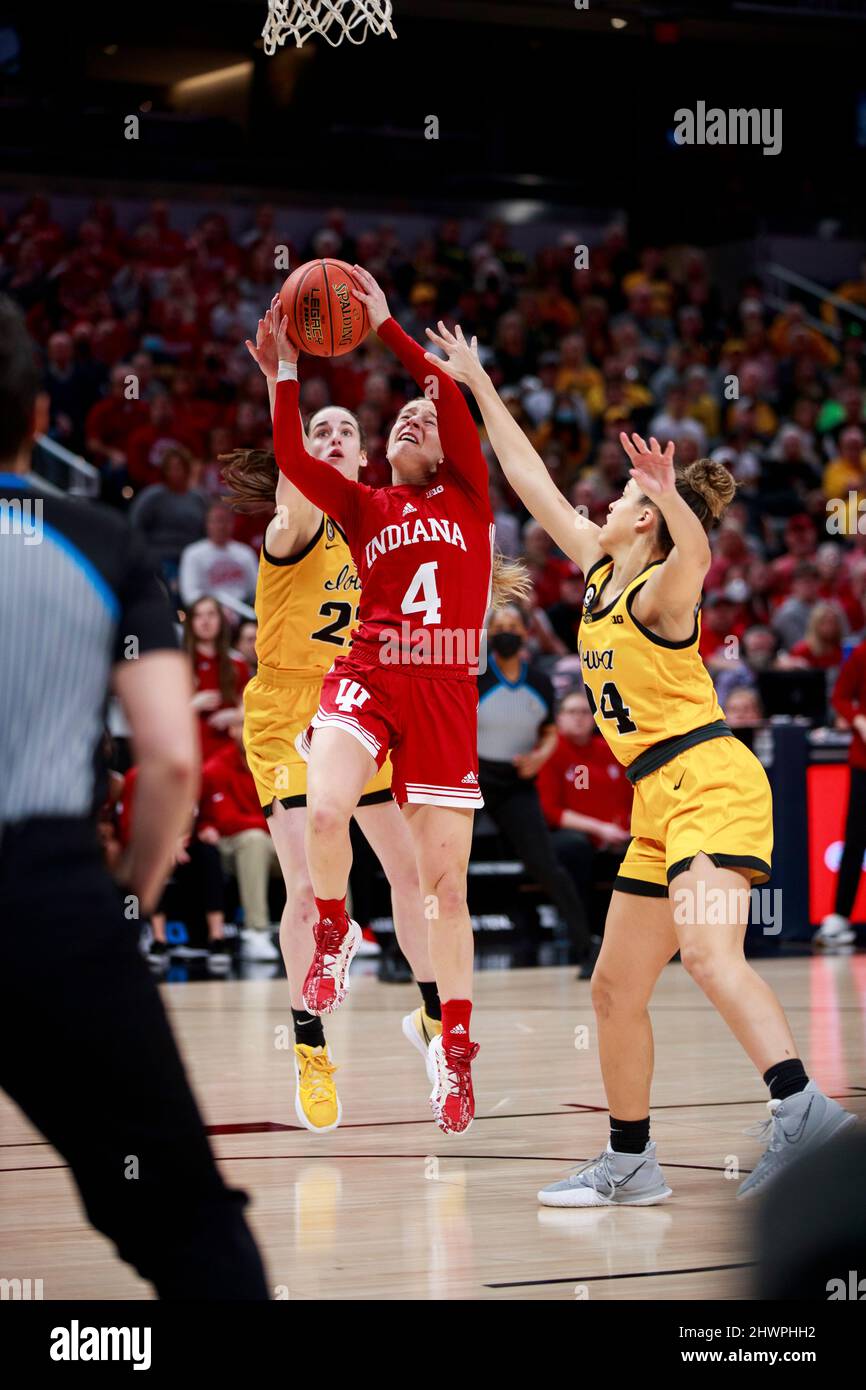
pixel 317 1104
pixel 421 1029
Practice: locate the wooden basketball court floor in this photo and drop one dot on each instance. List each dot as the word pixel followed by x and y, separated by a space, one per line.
pixel 387 1207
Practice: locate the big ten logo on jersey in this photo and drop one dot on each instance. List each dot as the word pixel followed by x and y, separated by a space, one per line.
pixel 351 695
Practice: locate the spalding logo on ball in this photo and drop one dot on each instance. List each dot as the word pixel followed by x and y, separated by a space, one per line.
pixel 325 318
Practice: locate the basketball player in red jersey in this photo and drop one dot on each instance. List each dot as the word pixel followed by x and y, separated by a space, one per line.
pixel 423 548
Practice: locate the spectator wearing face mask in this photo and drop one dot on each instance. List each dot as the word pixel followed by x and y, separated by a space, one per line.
pixel 516 736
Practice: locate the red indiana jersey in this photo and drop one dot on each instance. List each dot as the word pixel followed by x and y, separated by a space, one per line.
pixel 423 552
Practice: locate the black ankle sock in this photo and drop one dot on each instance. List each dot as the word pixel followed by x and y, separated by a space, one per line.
pixel 786 1078
pixel 308 1028
pixel 430 995
pixel 629 1136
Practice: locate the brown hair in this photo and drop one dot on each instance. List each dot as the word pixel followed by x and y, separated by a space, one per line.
pixel 250 475
pixel 708 488
pixel 228 681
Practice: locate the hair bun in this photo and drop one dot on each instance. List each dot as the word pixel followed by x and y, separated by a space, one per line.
pixel 712 481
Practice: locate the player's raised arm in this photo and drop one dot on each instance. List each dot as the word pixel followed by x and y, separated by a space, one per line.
pixel 296 516
pixel 457 430
pixel 522 466
pixel 674 587
pixel 323 485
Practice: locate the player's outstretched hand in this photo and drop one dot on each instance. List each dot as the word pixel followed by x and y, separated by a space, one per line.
pixel 264 350
pixel 286 350
pixel 370 293
pixel 652 469
pixel 461 359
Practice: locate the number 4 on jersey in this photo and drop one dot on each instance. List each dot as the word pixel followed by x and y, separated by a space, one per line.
pixel 423 583
pixel 611 706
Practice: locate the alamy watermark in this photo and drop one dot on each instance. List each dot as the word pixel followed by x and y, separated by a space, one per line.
pixel 722 907
pixel 737 126
pixel 22 516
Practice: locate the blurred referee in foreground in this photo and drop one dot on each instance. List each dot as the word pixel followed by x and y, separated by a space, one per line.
pixel 87 1052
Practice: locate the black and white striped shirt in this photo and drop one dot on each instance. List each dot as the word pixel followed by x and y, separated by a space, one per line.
pixel 78 593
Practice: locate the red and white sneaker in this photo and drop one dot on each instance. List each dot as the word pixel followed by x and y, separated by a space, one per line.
pixel 452 1098
pixel 327 983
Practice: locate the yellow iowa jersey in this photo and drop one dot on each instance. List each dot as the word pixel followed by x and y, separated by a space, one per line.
pixel 307 604
pixel 641 688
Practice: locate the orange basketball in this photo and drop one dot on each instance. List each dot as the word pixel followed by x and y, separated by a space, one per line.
pixel 324 317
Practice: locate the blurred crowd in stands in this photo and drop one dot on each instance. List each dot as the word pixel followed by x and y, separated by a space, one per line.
pixel 142 329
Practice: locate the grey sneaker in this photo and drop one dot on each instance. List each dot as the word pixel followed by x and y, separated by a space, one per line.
pixel 796 1125
pixel 611 1180
pixel 835 930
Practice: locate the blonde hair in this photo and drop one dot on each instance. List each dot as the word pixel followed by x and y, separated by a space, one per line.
pixel 511 582
pixel 819 644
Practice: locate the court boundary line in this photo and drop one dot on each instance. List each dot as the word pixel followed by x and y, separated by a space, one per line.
pixel 637 1274
pixel 572 1106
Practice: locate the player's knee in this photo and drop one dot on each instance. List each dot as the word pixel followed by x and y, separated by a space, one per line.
pixel 327 818
pixel 603 992
pixel 449 893
pixel 702 963
pixel 610 995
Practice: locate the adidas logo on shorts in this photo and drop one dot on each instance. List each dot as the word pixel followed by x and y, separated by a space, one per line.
pixel 458 1029
pixel 409 508
pixel 470 777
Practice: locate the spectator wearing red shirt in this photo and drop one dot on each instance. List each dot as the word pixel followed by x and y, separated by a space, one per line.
pixel 720 621
pixel 834 583
pixel 821 648
pixel 547 570
pixel 586 798
pixel 219 676
pixel 230 816
pixel 849 701
pixel 149 443
pixel 111 421
pixel 799 544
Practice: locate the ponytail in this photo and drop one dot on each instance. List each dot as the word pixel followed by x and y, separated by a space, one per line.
pixel 511 581
pixel 707 487
pixel 250 475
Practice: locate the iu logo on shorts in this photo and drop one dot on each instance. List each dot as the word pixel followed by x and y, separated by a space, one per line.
pixel 350 695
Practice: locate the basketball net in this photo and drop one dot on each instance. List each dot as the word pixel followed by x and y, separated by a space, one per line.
pixel 334 20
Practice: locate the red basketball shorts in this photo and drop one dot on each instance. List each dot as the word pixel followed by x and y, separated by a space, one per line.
pixel 429 726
